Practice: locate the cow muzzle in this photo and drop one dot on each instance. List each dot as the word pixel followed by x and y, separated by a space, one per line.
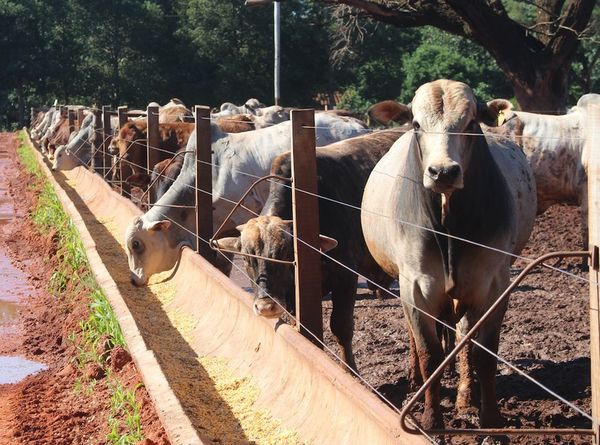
pixel 138 281
pixel 266 307
pixel 443 178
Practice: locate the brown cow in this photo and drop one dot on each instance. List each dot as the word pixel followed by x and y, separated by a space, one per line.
pixel 236 124
pixel 59 135
pixel 174 111
pixel 163 175
pixel 130 144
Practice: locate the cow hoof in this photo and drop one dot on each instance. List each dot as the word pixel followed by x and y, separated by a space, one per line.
pixel 432 419
pixel 491 418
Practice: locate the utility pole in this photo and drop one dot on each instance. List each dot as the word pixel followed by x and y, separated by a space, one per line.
pixel 276 41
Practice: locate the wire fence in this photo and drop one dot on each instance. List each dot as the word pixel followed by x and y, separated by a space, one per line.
pixel 232 200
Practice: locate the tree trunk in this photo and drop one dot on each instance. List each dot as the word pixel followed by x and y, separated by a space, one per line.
pixel 546 93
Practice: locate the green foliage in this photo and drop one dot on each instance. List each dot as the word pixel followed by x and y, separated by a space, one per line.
pixel 130 52
pixel 449 57
pixel 124 420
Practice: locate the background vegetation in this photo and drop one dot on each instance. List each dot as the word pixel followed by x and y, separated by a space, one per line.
pixel 207 52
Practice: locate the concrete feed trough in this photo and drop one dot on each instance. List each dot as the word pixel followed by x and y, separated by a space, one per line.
pixel 214 369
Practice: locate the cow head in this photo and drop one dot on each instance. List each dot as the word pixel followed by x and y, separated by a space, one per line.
pixel 64 159
pixel 445 118
pixel 149 249
pixel 128 133
pixel 270 237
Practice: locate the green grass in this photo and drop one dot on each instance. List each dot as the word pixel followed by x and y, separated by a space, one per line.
pixel 71 279
pixel 125 415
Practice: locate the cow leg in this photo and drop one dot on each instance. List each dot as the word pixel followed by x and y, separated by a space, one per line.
pixel 429 352
pixel 415 379
pixel 465 397
pixel 486 365
pixel 343 296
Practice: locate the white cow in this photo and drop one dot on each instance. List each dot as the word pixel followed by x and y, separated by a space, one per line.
pixel 554 146
pixel 468 186
pixel 154 242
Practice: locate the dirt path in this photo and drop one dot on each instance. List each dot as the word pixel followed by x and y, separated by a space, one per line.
pixel 63 404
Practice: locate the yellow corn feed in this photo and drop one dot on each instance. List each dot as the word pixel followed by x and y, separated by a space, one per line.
pixel 219 404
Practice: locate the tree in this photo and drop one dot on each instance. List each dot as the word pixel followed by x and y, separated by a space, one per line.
pixel 534 46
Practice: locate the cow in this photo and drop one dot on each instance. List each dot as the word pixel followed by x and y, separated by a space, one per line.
pixel 235 123
pixel 37 116
pixel 342 171
pixel 554 146
pixel 440 180
pixel 228 109
pixel 47 128
pixel 174 111
pixel 131 144
pixel 154 240
pixel 38 130
pixel 59 134
pixel 79 149
pixel 162 177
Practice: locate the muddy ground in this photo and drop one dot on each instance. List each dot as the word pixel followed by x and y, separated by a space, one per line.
pixel 52 407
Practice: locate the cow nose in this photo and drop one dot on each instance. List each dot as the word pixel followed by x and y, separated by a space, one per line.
pixel 444 173
pixel 266 307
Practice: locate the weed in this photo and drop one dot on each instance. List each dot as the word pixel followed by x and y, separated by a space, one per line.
pixel 123 405
pixel 73 275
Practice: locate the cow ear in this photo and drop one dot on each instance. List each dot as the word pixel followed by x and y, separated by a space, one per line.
pixel 326 243
pixel 157 226
pixel 389 111
pixel 229 243
pixel 494 113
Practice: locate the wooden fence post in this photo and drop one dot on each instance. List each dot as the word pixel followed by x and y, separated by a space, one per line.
pixel 96 160
pixel 106 138
pixel 152 141
pixel 124 187
pixel 592 146
pixel 204 213
pixel 71 117
pixel 80 117
pixel 305 208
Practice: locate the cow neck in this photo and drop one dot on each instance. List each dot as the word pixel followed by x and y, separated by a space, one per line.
pixel 432 209
pixel 478 212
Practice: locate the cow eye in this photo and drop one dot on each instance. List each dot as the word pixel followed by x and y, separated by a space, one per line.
pixel 136 245
pixel 416 126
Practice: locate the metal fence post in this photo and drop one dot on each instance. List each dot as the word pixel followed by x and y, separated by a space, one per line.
pixel 592 146
pixel 124 187
pixel 153 140
pixel 106 139
pixel 204 214
pixel 305 210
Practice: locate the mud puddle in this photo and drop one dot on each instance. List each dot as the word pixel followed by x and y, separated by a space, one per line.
pixel 13 290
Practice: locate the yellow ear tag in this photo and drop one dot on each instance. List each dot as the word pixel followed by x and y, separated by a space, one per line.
pixel 501 117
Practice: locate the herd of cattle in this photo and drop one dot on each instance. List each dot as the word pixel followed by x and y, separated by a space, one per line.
pixel 458 169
